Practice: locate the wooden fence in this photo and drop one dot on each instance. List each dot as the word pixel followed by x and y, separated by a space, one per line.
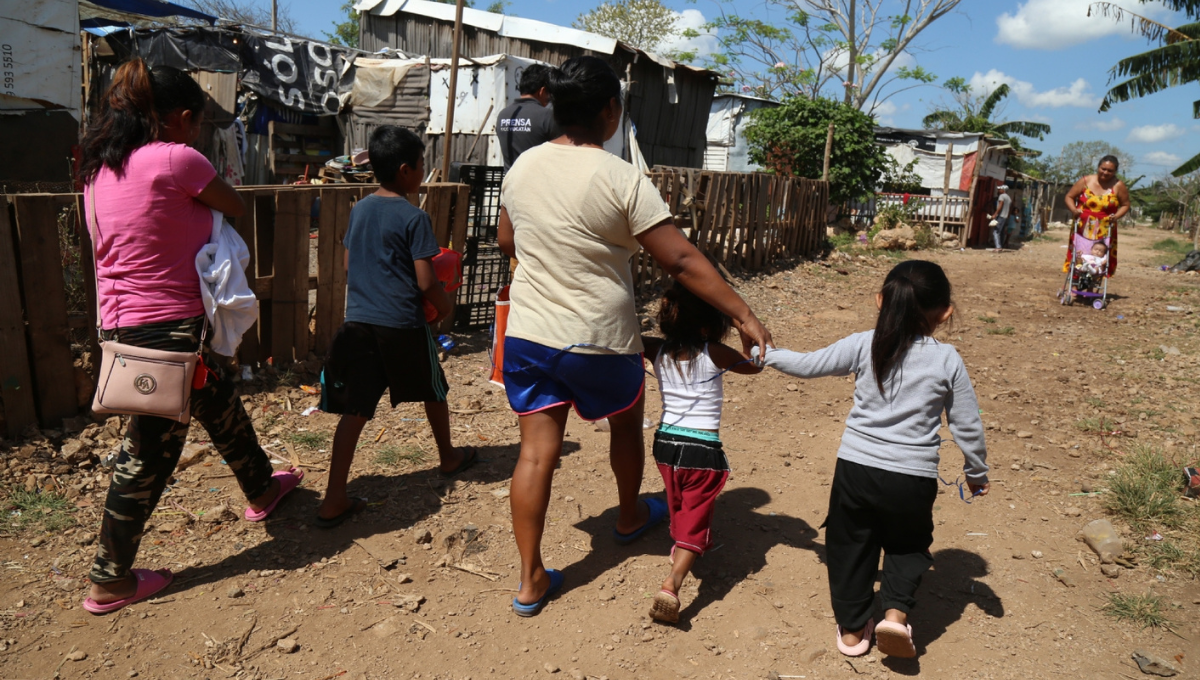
pixel 301 290
pixel 745 221
pixel 941 213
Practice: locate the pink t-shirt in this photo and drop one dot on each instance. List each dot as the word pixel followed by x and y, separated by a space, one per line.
pixel 148 228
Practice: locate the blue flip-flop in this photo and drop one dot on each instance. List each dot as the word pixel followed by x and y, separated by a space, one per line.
pixel 532 609
pixel 658 512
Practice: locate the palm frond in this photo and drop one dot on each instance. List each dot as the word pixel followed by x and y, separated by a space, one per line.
pixel 942 119
pixel 993 99
pixel 1024 129
pixel 1190 7
pixel 1148 28
pixel 1190 166
pixel 1180 55
pixel 1149 83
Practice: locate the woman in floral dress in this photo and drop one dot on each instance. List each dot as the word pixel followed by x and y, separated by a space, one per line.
pixel 1098 201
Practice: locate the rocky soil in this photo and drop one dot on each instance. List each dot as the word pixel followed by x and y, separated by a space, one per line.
pixel 419 585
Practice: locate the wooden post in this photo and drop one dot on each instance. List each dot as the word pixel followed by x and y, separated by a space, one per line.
pixel 16 381
pixel 458 12
pixel 946 188
pixel 969 217
pixel 828 152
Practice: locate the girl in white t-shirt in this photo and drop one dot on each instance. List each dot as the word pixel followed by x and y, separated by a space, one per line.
pixel 689 363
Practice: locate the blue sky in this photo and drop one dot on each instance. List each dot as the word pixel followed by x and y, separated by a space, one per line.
pixel 1054 57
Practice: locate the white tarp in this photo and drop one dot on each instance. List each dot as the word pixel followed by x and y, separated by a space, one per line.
pixel 484 84
pixel 931 166
pixel 722 120
pixel 40 58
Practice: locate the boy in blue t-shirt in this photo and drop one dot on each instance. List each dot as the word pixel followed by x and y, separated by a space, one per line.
pixel 385 343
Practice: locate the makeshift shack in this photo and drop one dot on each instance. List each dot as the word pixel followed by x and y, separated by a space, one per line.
pixel 668 102
pixel 958 174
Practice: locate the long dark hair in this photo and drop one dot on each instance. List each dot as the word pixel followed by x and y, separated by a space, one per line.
pixel 688 323
pixel 911 291
pixel 580 89
pixel 131 112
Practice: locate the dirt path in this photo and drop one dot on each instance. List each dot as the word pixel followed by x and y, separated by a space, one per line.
pixel 989 608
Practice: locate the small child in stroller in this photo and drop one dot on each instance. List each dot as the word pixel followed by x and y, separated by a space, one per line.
pixel 1091 267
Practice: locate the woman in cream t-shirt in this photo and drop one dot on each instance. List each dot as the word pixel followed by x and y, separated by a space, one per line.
pixel 574 215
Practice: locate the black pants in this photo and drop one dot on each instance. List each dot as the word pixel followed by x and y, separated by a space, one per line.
pixel 871 510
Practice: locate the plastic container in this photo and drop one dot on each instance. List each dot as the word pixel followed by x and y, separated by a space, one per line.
pixel 447 342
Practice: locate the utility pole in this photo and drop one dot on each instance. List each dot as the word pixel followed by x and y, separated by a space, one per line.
pixel 458 12
pixel 274 15
pixel 852 67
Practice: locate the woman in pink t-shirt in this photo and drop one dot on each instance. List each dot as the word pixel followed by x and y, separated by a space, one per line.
pixel 149 199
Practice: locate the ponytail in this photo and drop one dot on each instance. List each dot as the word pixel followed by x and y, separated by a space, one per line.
pixel 131 113
pixel 911 292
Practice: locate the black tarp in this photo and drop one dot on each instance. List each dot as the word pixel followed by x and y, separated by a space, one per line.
pixel 301 75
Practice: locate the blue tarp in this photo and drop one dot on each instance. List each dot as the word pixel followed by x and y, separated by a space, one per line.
pixel 149 8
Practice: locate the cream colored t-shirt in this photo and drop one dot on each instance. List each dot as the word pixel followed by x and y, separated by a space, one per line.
pixel 575 212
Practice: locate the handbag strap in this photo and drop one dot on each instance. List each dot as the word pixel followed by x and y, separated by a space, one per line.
pixel 96 276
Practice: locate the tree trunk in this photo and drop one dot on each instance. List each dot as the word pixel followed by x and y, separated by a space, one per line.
pixel 851 67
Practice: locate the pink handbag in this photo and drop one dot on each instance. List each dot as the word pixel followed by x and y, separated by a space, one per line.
pixel 139 381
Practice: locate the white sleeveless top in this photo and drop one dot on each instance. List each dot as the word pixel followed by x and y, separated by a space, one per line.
pixel 692 391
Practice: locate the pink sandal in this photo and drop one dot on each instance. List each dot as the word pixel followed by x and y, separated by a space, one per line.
pixel 149 583
pixel 895 639
pixel 665 607
pixel 288 480
pixel 863 646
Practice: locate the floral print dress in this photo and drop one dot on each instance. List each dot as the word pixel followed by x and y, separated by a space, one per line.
pixel 1095 223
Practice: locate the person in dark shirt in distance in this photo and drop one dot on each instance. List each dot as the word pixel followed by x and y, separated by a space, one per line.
pixel 528 121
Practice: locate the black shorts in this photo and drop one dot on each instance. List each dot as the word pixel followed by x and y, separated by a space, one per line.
pixel 365 359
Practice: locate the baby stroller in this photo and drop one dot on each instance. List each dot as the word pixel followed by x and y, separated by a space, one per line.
pixel 1089 286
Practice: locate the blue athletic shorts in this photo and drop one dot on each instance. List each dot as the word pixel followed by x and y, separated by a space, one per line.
pixel 537 377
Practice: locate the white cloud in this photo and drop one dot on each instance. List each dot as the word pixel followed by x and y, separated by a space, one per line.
pixel 1152 134
pixel 885 111
pixel 1077 93
pixel 1162 158
pixel 1105 125
pixel 703 45
pixel 1055 24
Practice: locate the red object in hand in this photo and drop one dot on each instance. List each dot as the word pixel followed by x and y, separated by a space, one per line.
pixel 200 377
pixel 447 267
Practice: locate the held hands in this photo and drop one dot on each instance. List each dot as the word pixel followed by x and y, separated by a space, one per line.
pixel 753 334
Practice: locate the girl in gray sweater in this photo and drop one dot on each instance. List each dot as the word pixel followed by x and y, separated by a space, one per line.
pixel 885 484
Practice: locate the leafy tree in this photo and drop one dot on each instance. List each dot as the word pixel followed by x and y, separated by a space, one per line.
pixel 247 12
pixel 644 24
pixel 1080 158
pixel 977 113
pixel 790 140
pixel 1176 62
pixel 346 32
pixel 840 48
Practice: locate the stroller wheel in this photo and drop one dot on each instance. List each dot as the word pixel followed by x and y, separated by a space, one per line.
pixel 1099 304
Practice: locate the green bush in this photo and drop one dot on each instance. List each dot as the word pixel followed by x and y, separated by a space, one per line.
pixel 790 140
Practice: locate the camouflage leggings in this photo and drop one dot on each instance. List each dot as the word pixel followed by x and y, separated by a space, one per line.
pixel 152 447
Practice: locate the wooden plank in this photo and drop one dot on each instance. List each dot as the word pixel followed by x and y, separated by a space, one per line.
pixel 344 201
pixel 87 269
pixel 284 305
pixel 45 307
pixel 300 282
pixel 326 237
pixel 16 380
pixel 250 350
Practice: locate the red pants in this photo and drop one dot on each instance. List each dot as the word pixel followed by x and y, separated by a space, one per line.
pixel 694 472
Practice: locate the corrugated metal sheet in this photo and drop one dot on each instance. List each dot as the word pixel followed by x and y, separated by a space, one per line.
pixel 668 133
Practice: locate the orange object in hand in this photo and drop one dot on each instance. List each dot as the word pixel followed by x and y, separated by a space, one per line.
pixel 447 267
